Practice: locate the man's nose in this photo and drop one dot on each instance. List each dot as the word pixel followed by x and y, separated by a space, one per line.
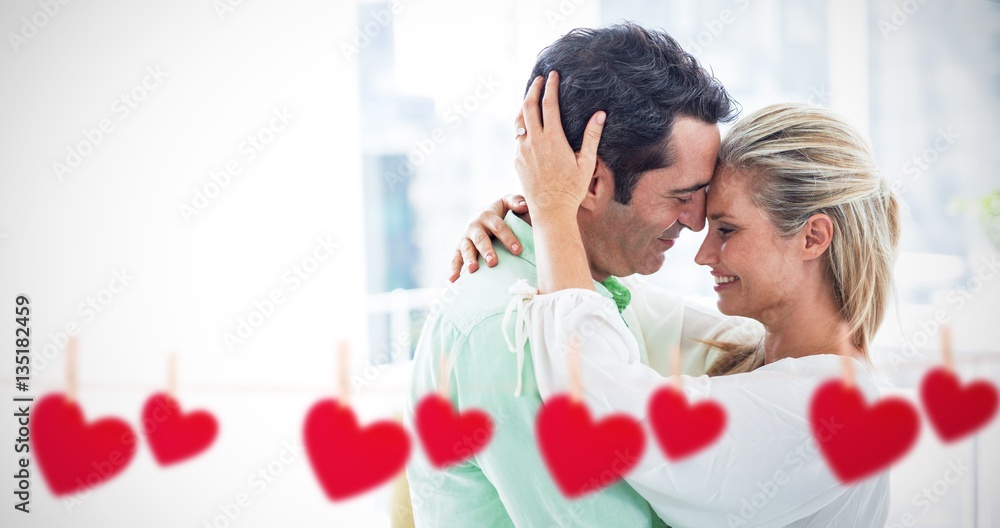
pixel 693 214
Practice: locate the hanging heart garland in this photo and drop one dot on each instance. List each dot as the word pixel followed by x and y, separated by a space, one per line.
pixel 74 455
pixel 857 439
pixel 172 435
pixel 349 459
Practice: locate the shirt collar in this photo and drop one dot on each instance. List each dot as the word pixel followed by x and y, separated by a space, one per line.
pixel 524 234
pixel 610 287
pixel 619 293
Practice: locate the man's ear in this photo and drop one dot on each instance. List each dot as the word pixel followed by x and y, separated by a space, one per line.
pixel 818 235
pixel 601 189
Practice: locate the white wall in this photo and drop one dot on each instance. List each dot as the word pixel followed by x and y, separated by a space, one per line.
pixel 189 282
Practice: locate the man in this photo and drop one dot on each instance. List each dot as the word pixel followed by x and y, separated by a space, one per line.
pixel 656 156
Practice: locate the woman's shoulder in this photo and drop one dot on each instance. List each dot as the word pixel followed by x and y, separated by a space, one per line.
pixel 816 369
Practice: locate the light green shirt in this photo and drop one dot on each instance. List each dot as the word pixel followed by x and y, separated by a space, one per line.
pixel 507 483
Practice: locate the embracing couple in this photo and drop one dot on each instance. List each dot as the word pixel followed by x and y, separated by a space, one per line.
pixel 619 151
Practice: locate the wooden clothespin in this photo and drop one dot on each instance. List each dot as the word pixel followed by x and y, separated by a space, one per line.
pixel 343 373
pixel 444 371
pixel 172 375
pixel 71 350
pixel 848 371
pixel 573 358
pixel 675 368
pixel 947 348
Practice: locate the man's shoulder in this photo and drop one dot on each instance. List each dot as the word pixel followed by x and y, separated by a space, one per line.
pixel 476 297
pixel 466 321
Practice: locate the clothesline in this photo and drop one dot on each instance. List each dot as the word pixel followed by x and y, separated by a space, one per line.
pixel 37 388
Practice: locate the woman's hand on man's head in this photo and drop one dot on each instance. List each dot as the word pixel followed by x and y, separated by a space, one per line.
pixel 553 176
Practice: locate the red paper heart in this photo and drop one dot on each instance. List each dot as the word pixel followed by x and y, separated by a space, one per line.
pixel 584 456
pixel 348 459
pixel 73 455
pixel 858 440
pixel 448 437
pixel 172 435
pixel 955 411
pixel 682 429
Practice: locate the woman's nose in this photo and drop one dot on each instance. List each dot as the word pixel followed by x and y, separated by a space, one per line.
pixel 708 252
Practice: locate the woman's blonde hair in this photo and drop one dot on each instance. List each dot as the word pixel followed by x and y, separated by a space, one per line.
pixel 803 160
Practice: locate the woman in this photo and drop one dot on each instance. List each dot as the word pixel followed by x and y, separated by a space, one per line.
pixel 802 237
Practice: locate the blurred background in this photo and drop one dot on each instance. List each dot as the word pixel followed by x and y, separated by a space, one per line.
pixel 168 169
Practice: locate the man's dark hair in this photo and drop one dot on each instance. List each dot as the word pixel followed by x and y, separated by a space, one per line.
pixel 643 79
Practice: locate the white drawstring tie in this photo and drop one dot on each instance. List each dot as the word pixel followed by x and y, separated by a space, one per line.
pixel 522 293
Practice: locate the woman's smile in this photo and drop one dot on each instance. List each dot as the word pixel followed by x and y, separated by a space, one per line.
pixel 724 282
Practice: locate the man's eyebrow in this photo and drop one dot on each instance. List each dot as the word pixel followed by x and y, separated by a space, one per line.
pixel 691 189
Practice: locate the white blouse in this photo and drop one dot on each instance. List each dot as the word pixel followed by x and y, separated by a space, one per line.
pixel 765 469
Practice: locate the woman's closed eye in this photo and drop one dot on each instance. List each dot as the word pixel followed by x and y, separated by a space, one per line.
pixel 724 231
